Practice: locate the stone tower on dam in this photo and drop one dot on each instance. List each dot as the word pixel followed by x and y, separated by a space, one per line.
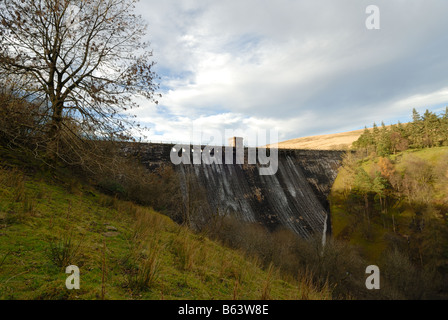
pixel 294 197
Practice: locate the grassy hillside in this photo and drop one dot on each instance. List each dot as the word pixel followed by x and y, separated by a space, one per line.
pixel 124 251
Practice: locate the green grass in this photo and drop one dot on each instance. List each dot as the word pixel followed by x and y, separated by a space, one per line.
pixel 124 251
pixel 432 155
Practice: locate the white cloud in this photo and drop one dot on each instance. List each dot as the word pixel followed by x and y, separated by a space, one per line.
pixel 305 67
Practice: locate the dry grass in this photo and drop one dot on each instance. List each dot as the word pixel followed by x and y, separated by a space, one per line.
pixel 307 290
pixel 187 250
pixel 144 258
pixel 336 141
pixel 266 288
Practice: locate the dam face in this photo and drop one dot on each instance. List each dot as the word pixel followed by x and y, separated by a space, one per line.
pixel 295 197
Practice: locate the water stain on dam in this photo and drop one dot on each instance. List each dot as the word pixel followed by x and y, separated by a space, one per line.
pixel 295 197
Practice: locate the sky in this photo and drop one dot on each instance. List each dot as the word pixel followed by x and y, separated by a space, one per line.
pixel 302 67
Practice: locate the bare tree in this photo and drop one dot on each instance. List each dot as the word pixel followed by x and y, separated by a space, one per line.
pixel 85 59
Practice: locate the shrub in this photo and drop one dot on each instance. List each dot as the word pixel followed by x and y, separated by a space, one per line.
pixel 144 271
pixel 63 252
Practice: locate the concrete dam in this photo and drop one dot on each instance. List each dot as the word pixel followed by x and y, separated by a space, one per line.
pixel 295 197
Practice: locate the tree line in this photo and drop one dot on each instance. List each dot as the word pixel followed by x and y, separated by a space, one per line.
pixel 425 131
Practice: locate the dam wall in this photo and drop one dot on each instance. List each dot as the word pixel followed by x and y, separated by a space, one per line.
pixel 295 197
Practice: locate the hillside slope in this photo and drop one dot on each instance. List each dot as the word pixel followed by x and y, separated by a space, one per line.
pixel 124 251
pixel 395 210
pixel 409 207
pixel 337 141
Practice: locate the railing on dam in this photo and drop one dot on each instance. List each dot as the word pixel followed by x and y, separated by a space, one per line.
pixel 161 151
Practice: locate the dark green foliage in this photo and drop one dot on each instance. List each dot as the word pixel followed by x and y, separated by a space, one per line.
pixel 427 131
pixel 111 187
pixel 363 182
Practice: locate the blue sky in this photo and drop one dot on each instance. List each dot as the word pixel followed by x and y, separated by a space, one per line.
pixel 303 67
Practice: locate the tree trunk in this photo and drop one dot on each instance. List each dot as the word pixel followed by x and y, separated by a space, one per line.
pixel 393 223
pixel 366 203
pixel 54 135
